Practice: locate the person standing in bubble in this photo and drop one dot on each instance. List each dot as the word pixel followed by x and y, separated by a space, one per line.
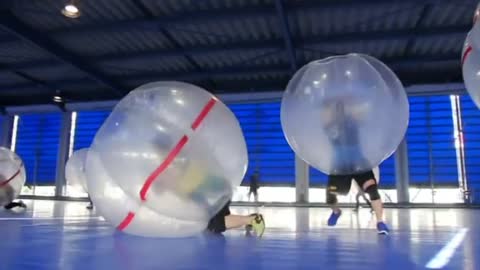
pixel 341 129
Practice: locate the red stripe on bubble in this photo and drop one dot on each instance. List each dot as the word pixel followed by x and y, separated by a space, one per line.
pixel 163 166
pixel 4 183
pixel 168 160
pixel 126 221
pixel 467 52
pixel 203 113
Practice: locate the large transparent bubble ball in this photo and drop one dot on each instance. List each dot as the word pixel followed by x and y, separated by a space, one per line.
pixel 166 160
pixel 12 176
pixel 344 114
pixel 475 31
pixel 75 170
pixel 471 70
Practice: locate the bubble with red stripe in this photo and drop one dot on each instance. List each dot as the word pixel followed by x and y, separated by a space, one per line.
pixel 12 176
pixel 166 160
pixel 470 60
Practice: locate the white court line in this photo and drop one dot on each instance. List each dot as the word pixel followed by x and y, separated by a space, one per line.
pixel 443 257
pixel 53 218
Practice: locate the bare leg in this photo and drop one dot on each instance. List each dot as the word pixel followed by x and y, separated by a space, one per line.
pixel 332 201
pixel 377 205
pixel 90 205
pixel 236 221
pixel 357 200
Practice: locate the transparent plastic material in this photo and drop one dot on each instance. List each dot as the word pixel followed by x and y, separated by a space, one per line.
pixel 471 70
pixel 344 114
pixel 475 31
pixel 166 160
pixel 12 176
pixel 75 170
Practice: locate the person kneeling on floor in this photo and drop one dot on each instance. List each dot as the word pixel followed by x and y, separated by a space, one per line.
pixel 224 221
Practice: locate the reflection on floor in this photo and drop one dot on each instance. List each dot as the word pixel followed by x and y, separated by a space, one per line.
pixel 64 235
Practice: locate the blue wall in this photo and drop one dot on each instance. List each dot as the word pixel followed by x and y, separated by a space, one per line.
pixel 430 137
pixel 87 124
pixel 471 134
pixel 38 138
pixel 431 146
pixel 268 151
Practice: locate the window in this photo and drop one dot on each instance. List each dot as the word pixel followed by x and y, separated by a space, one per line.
pixel 387 173
pixel 471 142
pixel 37 142
pixel 86 125
pixel 268 149
pixel 317 178
pixel 431 144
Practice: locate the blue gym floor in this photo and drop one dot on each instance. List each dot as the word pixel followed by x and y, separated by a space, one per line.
pixel 64 235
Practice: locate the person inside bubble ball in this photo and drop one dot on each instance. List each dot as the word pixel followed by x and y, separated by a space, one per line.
pixel 224 221
pixel 341 129
pixel 198 185
pixel 9 194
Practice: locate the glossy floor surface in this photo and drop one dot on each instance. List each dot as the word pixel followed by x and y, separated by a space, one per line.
pixel 64 235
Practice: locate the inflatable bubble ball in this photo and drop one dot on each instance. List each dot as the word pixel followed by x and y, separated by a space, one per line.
pixel 12 176
pixel 166 160
pixel 344 114
pixel 75 170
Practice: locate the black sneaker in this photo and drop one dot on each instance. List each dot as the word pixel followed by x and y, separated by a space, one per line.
pixel 22 204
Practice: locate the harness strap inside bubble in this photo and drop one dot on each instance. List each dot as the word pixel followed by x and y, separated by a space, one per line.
pixel 168 160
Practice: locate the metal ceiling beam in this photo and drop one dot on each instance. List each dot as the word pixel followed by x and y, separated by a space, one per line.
pixel 51 88
pixel 287 36
pixel 168 21
pixel 12 25
pixel 388 35
pixel 408 78
pixel 216 15
pixel 171 38
pixel 421 17
pixel 272 45
pixel 395 63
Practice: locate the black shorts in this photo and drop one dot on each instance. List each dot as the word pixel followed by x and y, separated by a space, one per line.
pixel 340 184
pixel 217 223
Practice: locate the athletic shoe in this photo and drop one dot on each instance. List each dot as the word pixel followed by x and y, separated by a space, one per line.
pixel 382 228
pixel 332 220
pixel 258 225
pixel 22 204
pixel 90 207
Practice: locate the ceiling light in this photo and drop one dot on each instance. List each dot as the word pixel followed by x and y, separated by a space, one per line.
pixel 57 99
pixel 71 10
